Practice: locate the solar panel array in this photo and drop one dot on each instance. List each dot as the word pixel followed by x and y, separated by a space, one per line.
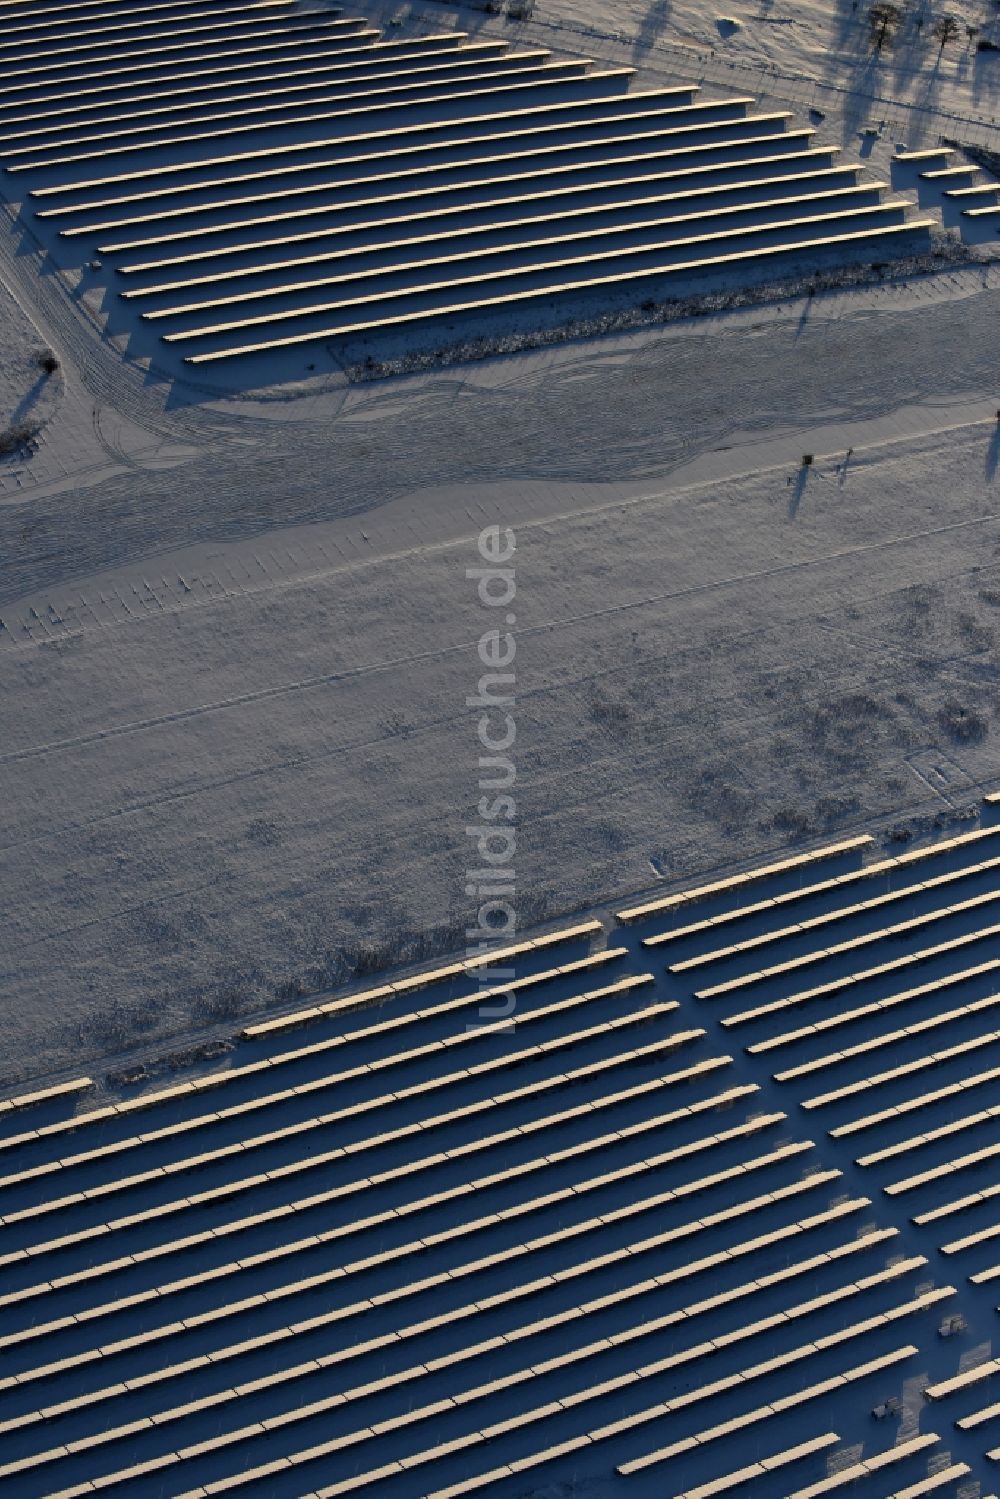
pixel 724 1191
pixel 969 199
pixel 269 177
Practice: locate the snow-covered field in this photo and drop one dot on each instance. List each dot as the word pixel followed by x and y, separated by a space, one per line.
pixel 232 767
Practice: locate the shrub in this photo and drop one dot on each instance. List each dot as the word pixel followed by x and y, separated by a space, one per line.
pixel 964 725
pixel 883 20
pixel 945 31
pixel 17 439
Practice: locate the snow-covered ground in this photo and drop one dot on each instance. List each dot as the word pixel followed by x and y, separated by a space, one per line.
pixel 238 761
pixel 235 768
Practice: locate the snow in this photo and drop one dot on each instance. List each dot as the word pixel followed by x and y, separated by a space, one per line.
pixel 229 775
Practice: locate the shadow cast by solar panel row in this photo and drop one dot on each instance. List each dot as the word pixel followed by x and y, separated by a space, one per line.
pixel 720 1191
pixel 276 181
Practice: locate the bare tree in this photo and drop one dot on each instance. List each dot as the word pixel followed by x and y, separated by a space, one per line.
pixel 883 19
pixel 945 31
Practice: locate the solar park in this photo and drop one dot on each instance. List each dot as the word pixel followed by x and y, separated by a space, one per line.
pixel 260 180
pixel 692 1196
pixel 721 1195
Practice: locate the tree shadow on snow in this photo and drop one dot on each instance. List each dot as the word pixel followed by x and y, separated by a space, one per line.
pixel 27 401
pixel 795 498
pixel 985 78
pixel 993 454
pixel 853 64
pixel 859 99
pixel 804 316
pixel 928 84
pixel 653 23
